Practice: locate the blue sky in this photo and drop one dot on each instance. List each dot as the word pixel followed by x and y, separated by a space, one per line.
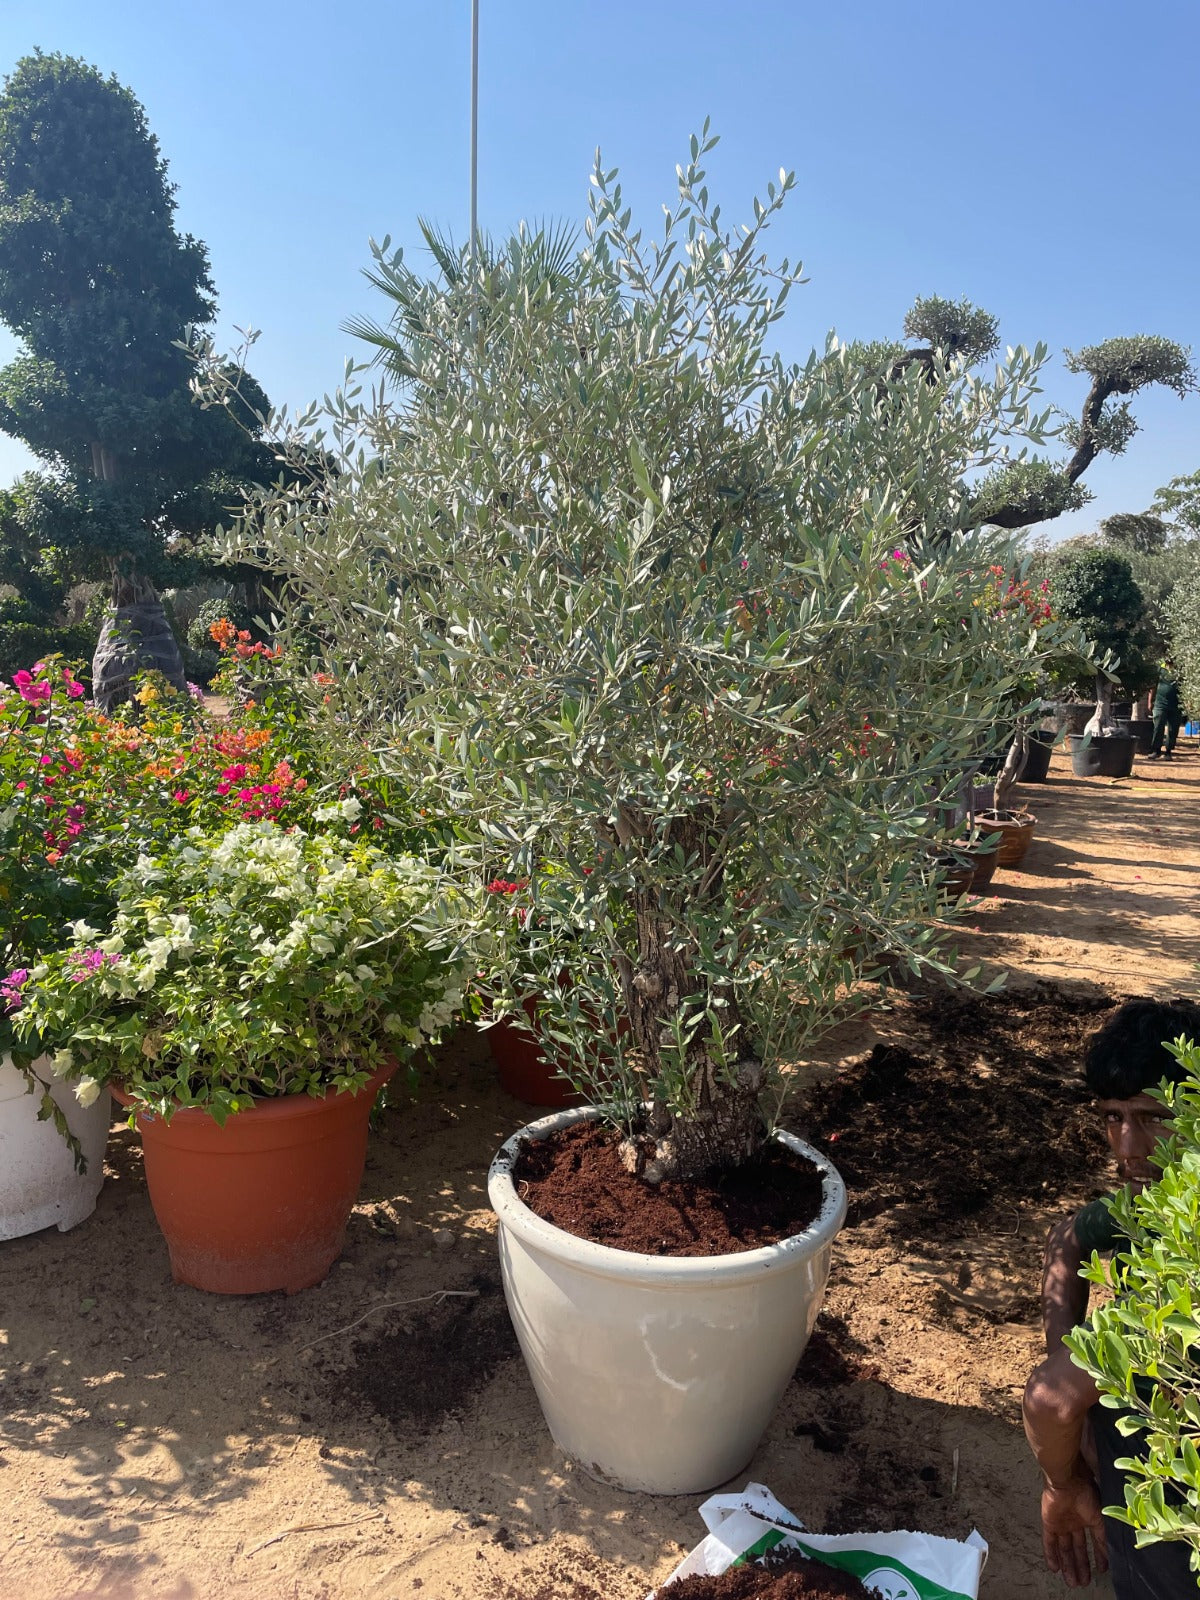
pixel 1041 159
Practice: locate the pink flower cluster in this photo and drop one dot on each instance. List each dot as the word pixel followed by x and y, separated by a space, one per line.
pixel 11 986
pixel 37 688
pixel 85 962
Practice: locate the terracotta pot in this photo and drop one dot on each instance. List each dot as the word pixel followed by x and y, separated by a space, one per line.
pixel 968 869
pixel 261 1203
pixel 658 1373
pixel 523 1070
pixel 1016 834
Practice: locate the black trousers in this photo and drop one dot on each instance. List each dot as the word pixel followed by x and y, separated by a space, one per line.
pixel 1157 1571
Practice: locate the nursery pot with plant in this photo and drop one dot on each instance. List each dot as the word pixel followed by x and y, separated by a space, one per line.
pixel 637 580
pixel 658 1373
pixel 254 992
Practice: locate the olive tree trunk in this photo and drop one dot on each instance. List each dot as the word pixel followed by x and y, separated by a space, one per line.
pixel 724 1124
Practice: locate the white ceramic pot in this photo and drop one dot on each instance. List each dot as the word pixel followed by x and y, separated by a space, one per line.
pixel 658 1373
pixel 39 1186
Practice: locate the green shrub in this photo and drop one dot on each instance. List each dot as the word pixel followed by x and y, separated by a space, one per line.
pixel 1141 1348
pixel 24 642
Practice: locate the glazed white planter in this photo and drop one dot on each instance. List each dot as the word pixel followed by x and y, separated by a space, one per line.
pixel 39 1186
pixel 658 1373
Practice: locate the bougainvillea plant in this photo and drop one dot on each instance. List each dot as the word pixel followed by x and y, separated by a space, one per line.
pixel 261 961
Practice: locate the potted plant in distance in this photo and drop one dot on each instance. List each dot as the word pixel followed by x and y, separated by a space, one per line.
pixel 253 993
pixel 1096 589
pixel 1017 601
pixel 629 584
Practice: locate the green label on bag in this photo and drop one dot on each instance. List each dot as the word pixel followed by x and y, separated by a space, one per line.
pixel 888 1576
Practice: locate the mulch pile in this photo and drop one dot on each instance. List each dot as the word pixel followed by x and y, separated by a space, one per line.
pixel 791 1577
pixel 576 1180
pixel 990 1108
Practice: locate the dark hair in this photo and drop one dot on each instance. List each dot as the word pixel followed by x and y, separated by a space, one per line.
pixel 1126 1057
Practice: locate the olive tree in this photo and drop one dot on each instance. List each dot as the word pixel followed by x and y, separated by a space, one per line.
pixel 669 633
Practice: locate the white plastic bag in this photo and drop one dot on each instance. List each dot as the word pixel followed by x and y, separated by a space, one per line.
pixel 899 1566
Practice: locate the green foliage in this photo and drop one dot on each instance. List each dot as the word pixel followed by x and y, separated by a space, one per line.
pixel 1135 532
pixel 102 292
pixel 1095 588
pixel 1025 492
pixel 955 327
pixel 24 639
pixel 1143 1346
pixel 255 962
pixel 1129 364
pixel 1179 501
pixel 612 588
pixel 1183 618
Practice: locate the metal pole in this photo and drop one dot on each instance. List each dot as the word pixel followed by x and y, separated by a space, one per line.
pixel 474 165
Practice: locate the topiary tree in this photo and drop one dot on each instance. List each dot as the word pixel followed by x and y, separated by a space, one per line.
pixel 1095 588
pixel 105 295
pixel 1017 494
pixel 644 616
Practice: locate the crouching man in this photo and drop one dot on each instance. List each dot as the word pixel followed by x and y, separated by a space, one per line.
pixel 1074 1438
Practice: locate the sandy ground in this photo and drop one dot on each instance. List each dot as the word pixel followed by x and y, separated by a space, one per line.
pixel 377 1437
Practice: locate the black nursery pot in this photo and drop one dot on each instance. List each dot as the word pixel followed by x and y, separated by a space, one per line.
pixel 1108 757
pixel 1037 757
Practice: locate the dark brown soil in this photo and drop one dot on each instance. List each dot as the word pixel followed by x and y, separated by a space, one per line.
pixel 790 1577
pixel 575 1180
pixel 995 1111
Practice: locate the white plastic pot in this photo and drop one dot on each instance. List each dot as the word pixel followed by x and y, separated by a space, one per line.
pixel 39 1186
pixel 656 1373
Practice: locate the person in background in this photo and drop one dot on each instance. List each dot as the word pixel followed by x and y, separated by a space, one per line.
pixel 1167 713
pixel 1073 1437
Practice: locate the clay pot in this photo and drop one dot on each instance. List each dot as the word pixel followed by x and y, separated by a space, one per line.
pixel 1016 833
pixel 1108 756
pixel 261 1203
pixel 39 1186
pixel 658 1373
pixel 523 1070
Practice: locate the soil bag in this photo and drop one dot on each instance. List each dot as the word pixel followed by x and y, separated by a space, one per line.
pixel 899 1566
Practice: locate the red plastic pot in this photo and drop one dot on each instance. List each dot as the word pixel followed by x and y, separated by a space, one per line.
pixel 263 1202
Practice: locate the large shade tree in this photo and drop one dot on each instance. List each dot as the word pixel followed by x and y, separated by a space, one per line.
pixel 668 628
pixel 105 296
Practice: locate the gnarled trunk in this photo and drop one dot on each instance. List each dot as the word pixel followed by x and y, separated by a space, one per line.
pixel 1101 722
pixel 135 638
pixel 725 1125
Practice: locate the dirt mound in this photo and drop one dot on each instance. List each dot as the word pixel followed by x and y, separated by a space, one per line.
pixel 987 1108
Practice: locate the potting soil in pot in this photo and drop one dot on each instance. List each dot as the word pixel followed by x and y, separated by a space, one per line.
pixel 575 1179
pixel 789 1577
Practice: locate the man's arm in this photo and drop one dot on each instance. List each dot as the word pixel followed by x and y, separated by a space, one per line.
pixel 1064 1292
pixel 1057 1400
pixel 1058 1397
